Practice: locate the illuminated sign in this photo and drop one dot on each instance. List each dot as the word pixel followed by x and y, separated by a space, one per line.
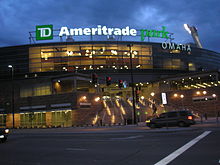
pixel 154 33
pixel 164 98
pixel 99 30
pixel 44 32
pixel 173 46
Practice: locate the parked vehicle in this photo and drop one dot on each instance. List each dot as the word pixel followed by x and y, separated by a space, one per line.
pixel 181 118
pixel 3 134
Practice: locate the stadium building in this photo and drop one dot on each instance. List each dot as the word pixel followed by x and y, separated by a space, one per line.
pixel 111 81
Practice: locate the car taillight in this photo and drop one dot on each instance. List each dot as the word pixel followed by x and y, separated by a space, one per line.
pixel 190 117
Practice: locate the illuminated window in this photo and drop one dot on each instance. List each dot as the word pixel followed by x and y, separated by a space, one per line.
pixel 54 58
pixel 2 119
pixel 33 119
pixel 191 66
pixel 37 90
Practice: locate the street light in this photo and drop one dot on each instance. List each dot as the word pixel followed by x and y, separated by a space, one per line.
pixel 217 113
pixel 202 111
pixel 182 96
pixel 12 95
pixel 194 33
pixel 132 84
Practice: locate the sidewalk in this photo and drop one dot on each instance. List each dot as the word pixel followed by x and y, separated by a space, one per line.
pixel 103 129
pixel 141 127
pixel 210 120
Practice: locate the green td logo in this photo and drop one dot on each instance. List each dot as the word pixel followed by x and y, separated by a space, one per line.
pixel 44 32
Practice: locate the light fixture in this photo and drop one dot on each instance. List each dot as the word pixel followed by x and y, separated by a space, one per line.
pixel 175 95
pixel 187 28
pixel 97 99
pixel 152 94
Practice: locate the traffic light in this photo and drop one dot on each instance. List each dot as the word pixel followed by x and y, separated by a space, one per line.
pixel 108 81
pixel 120 83
pixel 137 95
pixel 94 78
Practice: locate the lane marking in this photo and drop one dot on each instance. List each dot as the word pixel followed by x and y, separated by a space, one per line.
pixel 178 152
pixel 76 149
pixel 126 138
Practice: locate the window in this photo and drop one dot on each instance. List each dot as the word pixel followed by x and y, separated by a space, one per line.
pixel 25 92
pixel 88 56
pixel 2 119
pixel 163 115
pixel 191 66
pixel 172 114
pixel 183 113
pixel 36 90
pixel 62 118
pixel 33 119
pixel 41 90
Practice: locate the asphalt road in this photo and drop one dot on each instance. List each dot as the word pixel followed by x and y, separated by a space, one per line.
pixel 110 146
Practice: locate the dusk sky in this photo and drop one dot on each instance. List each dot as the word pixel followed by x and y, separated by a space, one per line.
pixel 18 17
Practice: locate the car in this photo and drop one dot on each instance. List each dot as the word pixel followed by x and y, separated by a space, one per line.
pixel 3 134
pixel 182 118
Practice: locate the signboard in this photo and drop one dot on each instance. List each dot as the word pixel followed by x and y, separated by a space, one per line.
pixel 99 30
pixel 154 33
pixel 173 46
pixel 85 105
pixel 45 32
pixel 164 98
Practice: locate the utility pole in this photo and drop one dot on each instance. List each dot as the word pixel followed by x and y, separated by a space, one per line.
pixel 12 95
pixel 132 85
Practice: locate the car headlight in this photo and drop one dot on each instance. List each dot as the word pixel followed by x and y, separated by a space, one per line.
pixel 147 121
pixel 6 130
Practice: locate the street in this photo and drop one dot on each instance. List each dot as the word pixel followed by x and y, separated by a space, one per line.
pixel 128 145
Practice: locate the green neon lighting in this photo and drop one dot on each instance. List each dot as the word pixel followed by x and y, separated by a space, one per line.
pixel 154 33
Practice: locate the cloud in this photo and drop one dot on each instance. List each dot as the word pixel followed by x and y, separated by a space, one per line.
pixel 20 17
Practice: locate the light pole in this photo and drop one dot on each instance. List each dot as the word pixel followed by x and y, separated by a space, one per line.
pixel 200 102
pixel 12 95
pixel 176 96
pixel 154 108
pixel 217 113
pixel 182 96
pixel 132 84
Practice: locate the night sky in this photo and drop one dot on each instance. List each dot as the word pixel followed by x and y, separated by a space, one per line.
pixel 18 17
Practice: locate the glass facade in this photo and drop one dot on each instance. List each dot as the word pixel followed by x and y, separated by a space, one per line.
pixel 88 56
pixel 98 55
pixel 61 118
pixel 35 90
pixel 2 120
pixel 172 59
pixel 33 119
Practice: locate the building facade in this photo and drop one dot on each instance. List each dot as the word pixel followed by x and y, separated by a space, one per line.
pixel 49 84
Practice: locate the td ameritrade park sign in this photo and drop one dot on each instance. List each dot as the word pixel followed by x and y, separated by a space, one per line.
pixel 45 32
